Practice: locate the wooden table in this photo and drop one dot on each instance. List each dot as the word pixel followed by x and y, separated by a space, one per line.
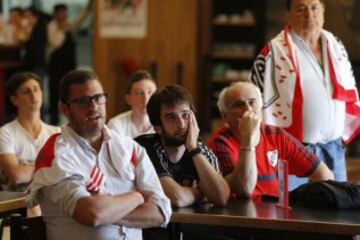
pixel 11 201
pixel 264 219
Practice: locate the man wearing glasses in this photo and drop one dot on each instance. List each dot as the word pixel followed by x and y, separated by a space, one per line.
pixel 98 185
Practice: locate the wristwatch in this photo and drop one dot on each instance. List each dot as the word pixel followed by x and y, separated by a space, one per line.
pixel 194 152
pixel 247 148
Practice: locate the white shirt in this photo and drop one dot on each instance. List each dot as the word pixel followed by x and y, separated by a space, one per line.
pixel 14 139
pixel 323 116
pixel 64 180
pixel 123 125
pixel 56 36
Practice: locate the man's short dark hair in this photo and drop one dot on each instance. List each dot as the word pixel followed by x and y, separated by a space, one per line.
pixel 289 2
pixel 17 9
pixel 136 77
pixel 60 7
pixel 77 76
pixel 16 80
pixel 169 96
pixel 34 11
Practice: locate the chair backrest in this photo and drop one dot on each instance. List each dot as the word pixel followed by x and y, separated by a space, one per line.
pixel 22 228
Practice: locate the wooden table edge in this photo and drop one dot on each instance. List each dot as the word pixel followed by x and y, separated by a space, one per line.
pixel 265 223
pixel 12 204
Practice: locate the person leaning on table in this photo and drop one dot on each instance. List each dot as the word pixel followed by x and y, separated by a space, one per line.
pixel 22 138
pixel 90 182
pixel 248 151
pixel 187 168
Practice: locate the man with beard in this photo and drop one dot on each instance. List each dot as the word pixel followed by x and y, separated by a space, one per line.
pixel 187 168
pixel 85 177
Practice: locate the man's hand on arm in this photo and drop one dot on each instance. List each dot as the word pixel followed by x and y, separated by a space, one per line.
pixel 243 179
pixel 16 172
pixel 101 209
pixel 145 215
pixel 179 196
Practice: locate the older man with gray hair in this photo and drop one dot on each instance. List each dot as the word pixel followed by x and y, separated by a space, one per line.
pixel 248 151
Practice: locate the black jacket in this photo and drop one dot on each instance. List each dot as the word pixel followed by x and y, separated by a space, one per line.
pixel 327 194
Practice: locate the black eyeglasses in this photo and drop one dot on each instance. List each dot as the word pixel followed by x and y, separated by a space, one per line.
pixel 85 101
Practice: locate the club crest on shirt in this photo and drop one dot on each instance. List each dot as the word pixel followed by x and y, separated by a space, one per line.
pixel 272 157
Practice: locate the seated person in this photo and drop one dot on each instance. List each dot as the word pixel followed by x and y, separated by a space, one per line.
pixel 248 151
pixel 135 122
pixel 188 170
pixel 22 138
pixel 92 183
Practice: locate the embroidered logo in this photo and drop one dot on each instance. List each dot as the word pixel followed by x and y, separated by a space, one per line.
pixel 272 157
pixel 96 179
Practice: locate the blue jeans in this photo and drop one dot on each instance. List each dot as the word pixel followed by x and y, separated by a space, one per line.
pixel 332 154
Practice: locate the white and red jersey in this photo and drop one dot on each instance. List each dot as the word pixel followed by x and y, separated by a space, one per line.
pixel 68 168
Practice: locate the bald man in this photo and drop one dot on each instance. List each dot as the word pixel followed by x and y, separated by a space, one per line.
pixel 248 151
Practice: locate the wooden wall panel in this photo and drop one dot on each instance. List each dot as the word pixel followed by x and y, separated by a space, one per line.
pixel 109 54
pixel 172 38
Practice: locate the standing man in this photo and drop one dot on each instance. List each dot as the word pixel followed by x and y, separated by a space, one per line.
pixel 308 86
pixel 90 182
pixel 62 51
pixel 136 121
pixel 249 152
pixel 35 46
pixel 188 170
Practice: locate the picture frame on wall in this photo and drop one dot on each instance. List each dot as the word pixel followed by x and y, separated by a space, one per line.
pixel 123 18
